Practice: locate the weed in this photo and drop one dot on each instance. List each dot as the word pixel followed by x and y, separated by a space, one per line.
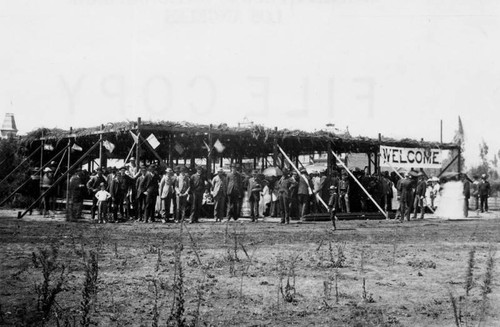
pixel 338 262
pixel 47 291
pixel 89 292
pixel 470 271
pixel 176 317
pixel 455 308
pixel 486 285
pixel 156 311
pixel 367 297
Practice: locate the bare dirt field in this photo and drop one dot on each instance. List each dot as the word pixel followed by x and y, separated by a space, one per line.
pixel 367 273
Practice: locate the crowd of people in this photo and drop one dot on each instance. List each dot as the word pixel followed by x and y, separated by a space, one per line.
pixel 153 193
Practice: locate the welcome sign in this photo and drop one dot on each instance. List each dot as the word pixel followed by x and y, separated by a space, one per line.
pixel 410 157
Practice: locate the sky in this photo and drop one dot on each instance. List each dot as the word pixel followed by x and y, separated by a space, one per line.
pixel 395 67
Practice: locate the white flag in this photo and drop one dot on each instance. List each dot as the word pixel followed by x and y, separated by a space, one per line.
pixel 48 147
pixel 219 146
pixel 76 147
pixel 153 141
pixel 108 145
pixel 179 148
pixel 136 139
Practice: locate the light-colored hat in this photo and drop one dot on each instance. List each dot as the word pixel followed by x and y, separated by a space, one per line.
pixel 47 169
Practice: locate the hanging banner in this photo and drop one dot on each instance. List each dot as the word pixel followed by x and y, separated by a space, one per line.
pixel 153 141
pixel 410 157
pixel 108 145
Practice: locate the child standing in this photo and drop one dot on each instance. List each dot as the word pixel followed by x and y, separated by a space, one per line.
pixel 102 203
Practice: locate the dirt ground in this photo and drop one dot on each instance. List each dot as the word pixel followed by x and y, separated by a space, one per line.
pixel 367 273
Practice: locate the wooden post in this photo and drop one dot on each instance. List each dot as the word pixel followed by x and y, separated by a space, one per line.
pixel 100 147
pixel 170 150
pixel 378 153
pixel 209 154
pixel 138 147
pixel 41 163
pixel 369 163
pixel 459 162
pixel 275 148
pixel 68 214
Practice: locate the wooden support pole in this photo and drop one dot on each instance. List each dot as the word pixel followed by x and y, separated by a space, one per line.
pixel 138 146
pixel 170 150
pixel 41 163
pixel 68 175
pixel 329 165
pixel 369 163
pixel 448 166
pixel 101 159
pixel 209 154
pixel 459 162
pixel 360 185
pixel 275 148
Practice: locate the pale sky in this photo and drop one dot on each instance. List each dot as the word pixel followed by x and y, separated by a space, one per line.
pixel 391 67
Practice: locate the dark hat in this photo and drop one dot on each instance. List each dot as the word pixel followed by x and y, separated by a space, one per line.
pixel 255 171
pixel 123 168
pixel 303 171
pixel 199 168
pixel 99 170
pixel 184 169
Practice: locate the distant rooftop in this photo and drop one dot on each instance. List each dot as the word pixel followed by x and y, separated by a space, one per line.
pixel 9 125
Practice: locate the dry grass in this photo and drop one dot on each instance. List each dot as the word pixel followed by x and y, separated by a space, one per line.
pixel 169 274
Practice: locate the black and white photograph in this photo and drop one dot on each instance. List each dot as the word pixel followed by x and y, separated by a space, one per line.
pixel 189 163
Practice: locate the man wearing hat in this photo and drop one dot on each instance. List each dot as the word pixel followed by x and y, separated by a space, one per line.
pixel 405 189
pixel 303 192
pixel 140 187
pixel 419 196
pixel 47 200
pixel 234 192
pixel 254 188
pixel 197 186
pixel 285 186
pixel 93 186
pixel 118 189
pixel 182 188
pixel 167 193
pixel 484 192
pixel 151 183
pixel 76 194
pixel 466 194
pixel 219 193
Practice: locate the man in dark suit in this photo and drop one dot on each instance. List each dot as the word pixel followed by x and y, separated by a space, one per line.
pixel 93 187
pixel 197 188
pixel 419 196
pixel 286 186
pixel 140 186
pixel 484 192
pixel 303 192
pixel 254 189
pixel 234 193
pixel 405 189
pixel 466 194
pixel 151 184
pixel 219 193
